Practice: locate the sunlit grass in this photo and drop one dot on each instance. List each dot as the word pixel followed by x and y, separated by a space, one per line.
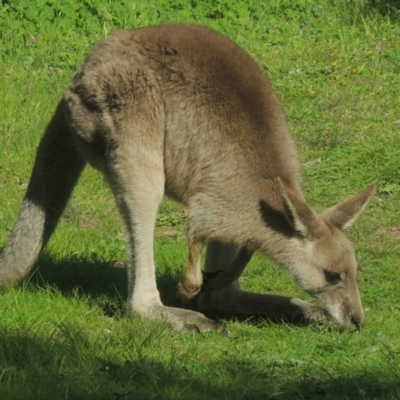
pixel 64 332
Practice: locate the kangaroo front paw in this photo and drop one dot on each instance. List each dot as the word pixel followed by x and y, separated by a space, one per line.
pixel 187 290
pixel 310 312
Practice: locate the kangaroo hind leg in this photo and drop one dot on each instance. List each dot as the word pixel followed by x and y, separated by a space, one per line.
pixel 136 176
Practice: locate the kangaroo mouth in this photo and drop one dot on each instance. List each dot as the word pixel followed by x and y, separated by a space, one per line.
pixel 344 322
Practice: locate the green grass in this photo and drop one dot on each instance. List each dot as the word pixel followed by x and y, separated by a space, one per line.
pixel 63 331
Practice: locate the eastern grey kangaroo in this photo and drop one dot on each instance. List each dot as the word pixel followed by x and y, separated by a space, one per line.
pixel 181 110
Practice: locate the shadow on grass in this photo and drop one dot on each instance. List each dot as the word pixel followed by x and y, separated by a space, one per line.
pixel 32 367
pixel 68 364
pixel 108 280
pixel 96 278
pixel 390 8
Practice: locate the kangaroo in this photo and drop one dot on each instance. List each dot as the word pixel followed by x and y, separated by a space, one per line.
pixel 183 111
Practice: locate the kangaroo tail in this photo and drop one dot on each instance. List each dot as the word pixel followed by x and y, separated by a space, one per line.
pixel 57 168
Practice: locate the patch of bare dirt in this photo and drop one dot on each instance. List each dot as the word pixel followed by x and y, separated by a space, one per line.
pixel 392 231
pixel 167 231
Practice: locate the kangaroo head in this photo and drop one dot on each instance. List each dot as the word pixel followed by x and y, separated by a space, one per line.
pixel 324 262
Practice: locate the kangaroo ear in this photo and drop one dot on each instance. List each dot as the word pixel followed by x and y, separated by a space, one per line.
pixel 296 211
pixel 344 214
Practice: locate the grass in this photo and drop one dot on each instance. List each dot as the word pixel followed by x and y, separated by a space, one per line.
pixel 63 331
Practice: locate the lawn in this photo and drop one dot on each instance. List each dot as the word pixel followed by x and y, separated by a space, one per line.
pixel 63 331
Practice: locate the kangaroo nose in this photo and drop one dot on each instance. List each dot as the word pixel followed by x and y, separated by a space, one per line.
pixel 356 321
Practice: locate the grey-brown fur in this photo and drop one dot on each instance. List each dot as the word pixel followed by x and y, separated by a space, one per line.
pixel 183 111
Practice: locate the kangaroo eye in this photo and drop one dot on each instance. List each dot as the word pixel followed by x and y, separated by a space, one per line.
pixel 332 277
